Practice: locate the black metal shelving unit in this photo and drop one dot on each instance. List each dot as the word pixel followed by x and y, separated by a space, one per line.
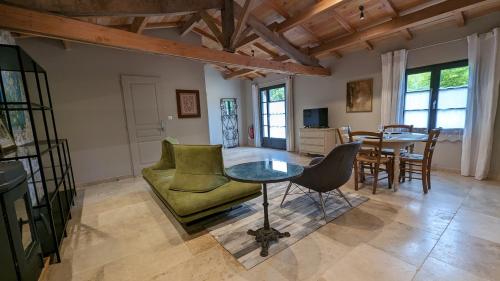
pixel 26 109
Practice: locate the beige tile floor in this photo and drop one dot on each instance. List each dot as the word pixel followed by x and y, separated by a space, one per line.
pixel 119 231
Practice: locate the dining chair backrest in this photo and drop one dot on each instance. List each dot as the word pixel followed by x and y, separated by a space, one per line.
pixel 398 128
pixel 342 132
pixel 371 141
pixel 430 145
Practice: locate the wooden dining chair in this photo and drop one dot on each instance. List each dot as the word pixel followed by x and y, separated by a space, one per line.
pixel 372 142
pixel 400 128
pixel 342 132
pixel 414 163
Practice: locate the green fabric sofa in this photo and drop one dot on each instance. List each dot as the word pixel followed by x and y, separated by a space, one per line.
pixel 190 181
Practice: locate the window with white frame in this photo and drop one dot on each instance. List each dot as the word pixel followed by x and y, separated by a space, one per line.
pixel 436 96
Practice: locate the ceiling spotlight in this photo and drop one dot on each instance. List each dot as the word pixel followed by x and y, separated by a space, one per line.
pixel 361 12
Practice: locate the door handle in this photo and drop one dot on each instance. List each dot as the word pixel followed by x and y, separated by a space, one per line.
pixel 162 126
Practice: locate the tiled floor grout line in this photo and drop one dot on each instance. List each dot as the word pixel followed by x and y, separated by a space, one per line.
pixel 441 235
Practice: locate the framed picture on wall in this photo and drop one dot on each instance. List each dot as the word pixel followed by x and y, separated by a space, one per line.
pixel 188 103
pixel 359 96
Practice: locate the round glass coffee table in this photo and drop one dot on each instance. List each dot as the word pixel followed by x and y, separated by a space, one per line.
pixel 265 172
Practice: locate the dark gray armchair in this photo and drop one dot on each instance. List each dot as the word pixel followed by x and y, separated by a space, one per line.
pixel 327 174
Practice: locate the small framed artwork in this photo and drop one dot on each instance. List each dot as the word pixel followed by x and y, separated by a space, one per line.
pixel 359 96
pixel 6 141
pixel 188 103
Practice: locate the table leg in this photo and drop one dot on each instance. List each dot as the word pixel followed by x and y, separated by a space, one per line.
pixel 266 234
pixel 397 161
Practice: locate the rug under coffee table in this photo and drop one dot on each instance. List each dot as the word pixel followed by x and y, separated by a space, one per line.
pixel 300 216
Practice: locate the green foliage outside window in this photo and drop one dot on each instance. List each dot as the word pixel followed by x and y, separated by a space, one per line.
pixel 277 94
pixel 418 82
pixel 454 77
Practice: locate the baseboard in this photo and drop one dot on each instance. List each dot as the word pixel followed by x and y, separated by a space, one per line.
pixel 445 169
pixel 85 184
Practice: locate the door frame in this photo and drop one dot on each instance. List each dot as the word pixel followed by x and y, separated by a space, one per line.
pixel 126 81
pixel 275 143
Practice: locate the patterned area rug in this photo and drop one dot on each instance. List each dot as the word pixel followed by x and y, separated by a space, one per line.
pixel 300 216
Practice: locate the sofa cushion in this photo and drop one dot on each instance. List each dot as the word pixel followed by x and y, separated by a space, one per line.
pixel 187 203
pixel 158 177
pixel 199 168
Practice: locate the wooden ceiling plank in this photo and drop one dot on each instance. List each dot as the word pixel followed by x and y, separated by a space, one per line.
pixel 212 25
pixel 138 24
pixel 117 8
pixel 308 14
pixel 276 39
pixel 343 22
pixel 242 22
pixel 426 15
pixel 49 25
pixel 238 73
pixel 189 24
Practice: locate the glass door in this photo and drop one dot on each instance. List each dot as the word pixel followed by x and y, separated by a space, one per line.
pixel 273 116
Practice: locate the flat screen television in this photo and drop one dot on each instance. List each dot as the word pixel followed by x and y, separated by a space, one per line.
pixel 316 118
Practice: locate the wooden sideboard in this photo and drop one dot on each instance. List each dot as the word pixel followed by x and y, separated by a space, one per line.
pixel 316 140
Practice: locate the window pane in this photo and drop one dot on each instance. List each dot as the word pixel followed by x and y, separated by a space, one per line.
pixel 277 107
pixel 417 118
pixel 450 118
pixel 264 119
pixel 452 98
pixel 264 108
pixel 278 132
pixel 277 94
pixel 265 130
pixel 277 120
pixel 417 100
pixel 454 77
pixel 263 97
pixel 418 82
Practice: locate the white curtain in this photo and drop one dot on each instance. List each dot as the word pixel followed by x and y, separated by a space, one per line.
pixel 393 76
pixel 290 124
pixel 256 113
pixel 482 100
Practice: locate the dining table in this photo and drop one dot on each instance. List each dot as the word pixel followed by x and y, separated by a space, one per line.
pixel 397 141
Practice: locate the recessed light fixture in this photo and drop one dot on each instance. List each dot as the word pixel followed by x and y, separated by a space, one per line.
pixel 361 12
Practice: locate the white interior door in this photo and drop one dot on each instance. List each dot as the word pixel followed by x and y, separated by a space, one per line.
pixel 145 125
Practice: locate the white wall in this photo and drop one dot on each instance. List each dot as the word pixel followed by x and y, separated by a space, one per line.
pixel 311 92
pixel 218 88
pixel 87 96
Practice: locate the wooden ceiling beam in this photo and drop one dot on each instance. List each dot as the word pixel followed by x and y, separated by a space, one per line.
pixel 276 39
pixel 390 8
pixel 188 25
pixel 227 15
pixel 66 45
pixel 48 25
pixel 307 14
pixel 205 34
pixel 426 15
pixel 343 22
pixel 212 25
pixel 242 22
pixel 368 45
pixel 138 24
pixel 117 7
pixel 459 18
pixel 407 34
pixel 266 50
